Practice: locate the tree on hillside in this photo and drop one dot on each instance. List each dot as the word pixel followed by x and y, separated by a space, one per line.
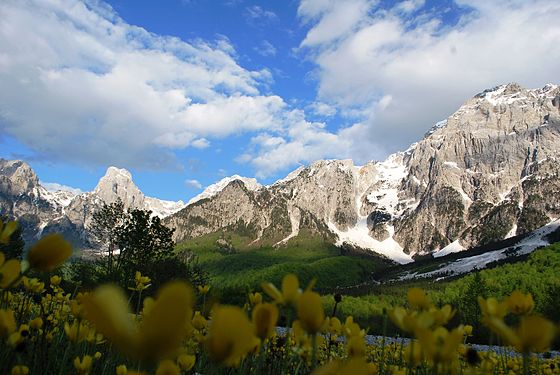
pixel 104 229
pixel 142 240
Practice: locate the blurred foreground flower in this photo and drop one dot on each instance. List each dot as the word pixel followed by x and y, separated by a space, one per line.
pixel 158 334
pixel 49 252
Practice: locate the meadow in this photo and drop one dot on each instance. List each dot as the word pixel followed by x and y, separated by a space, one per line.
pixel 49 325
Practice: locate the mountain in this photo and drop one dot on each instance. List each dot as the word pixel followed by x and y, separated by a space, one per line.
pixel 488 172
pixel 40 210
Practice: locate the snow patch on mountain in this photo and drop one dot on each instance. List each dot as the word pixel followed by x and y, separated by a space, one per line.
pixel 527 245
pixel 163 208
pixel 391 172
pixel 212 190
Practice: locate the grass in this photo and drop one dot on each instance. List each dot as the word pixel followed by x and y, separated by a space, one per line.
pixel 236 270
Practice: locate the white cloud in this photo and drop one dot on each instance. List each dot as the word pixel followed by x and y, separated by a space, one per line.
pixel 77 81
pixel 409 6
pixel 257 15
pixel 266 49
pixel 193 184
pixel 399 75
pixel 335 18
pixel 322 109
pixel 200 143
pixel 54 186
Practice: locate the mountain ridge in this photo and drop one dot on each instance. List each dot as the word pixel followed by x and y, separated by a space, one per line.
pixel 480 175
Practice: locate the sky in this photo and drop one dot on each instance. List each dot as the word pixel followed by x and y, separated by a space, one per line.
pixel 185 92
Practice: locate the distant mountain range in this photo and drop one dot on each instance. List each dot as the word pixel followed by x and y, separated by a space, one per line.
pixel 488 172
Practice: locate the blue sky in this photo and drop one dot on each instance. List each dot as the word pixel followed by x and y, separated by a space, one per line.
pixel 185 92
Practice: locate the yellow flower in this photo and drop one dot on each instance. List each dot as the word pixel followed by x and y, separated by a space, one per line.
pixel 97 355
pixel 492 308
pixel 533 334
pixel 402 319
pixel 356 346
pixel 83 366
pixel 310 312
pixel 265 316
pixel 55 280
pixel 36 323
pixel 76 332
pixel 20 370
pixel 142 282
pixel 49 252
pixel 203 289
pixel 186 361
pixel 418 299
pixel 33 285
pixel 440 345
pixel 442 316
pixel 335 326
pixel 7 230
pixel 160 330
pixel 9 271
pixel 290 290
pixel 159 333
pixel 519 303
pixel 167 367
pixel 255 298
pixel 198 321
pixel 230 335
pixel 121 370
pixel 7 323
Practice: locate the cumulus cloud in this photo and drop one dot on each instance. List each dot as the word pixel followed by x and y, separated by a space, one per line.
pixel 398 74
pixel 193 184
pixel 77 81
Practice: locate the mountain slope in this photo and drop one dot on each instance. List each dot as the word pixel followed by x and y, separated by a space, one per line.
pixel 481 175
pixel 42 211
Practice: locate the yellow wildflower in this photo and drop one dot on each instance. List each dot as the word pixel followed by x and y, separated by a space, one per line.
pixel 203 289
pixel 121 370
pixel 157 335
pixel 255 298
pixel 76 332
pixel 418 299
pixel 492 308
pixel 7 323
pixel 230 335
pixel 36 323
pixel 83 366
pixel 198 321
pixel 265 316
pixel 167 367
pixel 356 346
pixel 6 230
pixel 20 370
pixel 49 252
pixel 290 290
pixel 33 285
pixel 533 334
pixel 310 312
pixel 186 361
pixel 519 303
pixel 355 366
pixel 9 270
pixel 55 280
pixel 97 355
pixel 142 282
pixel 440 345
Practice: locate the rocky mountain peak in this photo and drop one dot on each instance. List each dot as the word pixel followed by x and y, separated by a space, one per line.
pixel 17 177
pixel 117 183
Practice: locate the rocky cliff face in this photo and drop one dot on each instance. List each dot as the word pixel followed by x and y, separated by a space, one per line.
pixel 42 211
pixel 488 172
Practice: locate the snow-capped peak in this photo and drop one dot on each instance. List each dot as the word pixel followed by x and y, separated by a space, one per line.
pixel 212 190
